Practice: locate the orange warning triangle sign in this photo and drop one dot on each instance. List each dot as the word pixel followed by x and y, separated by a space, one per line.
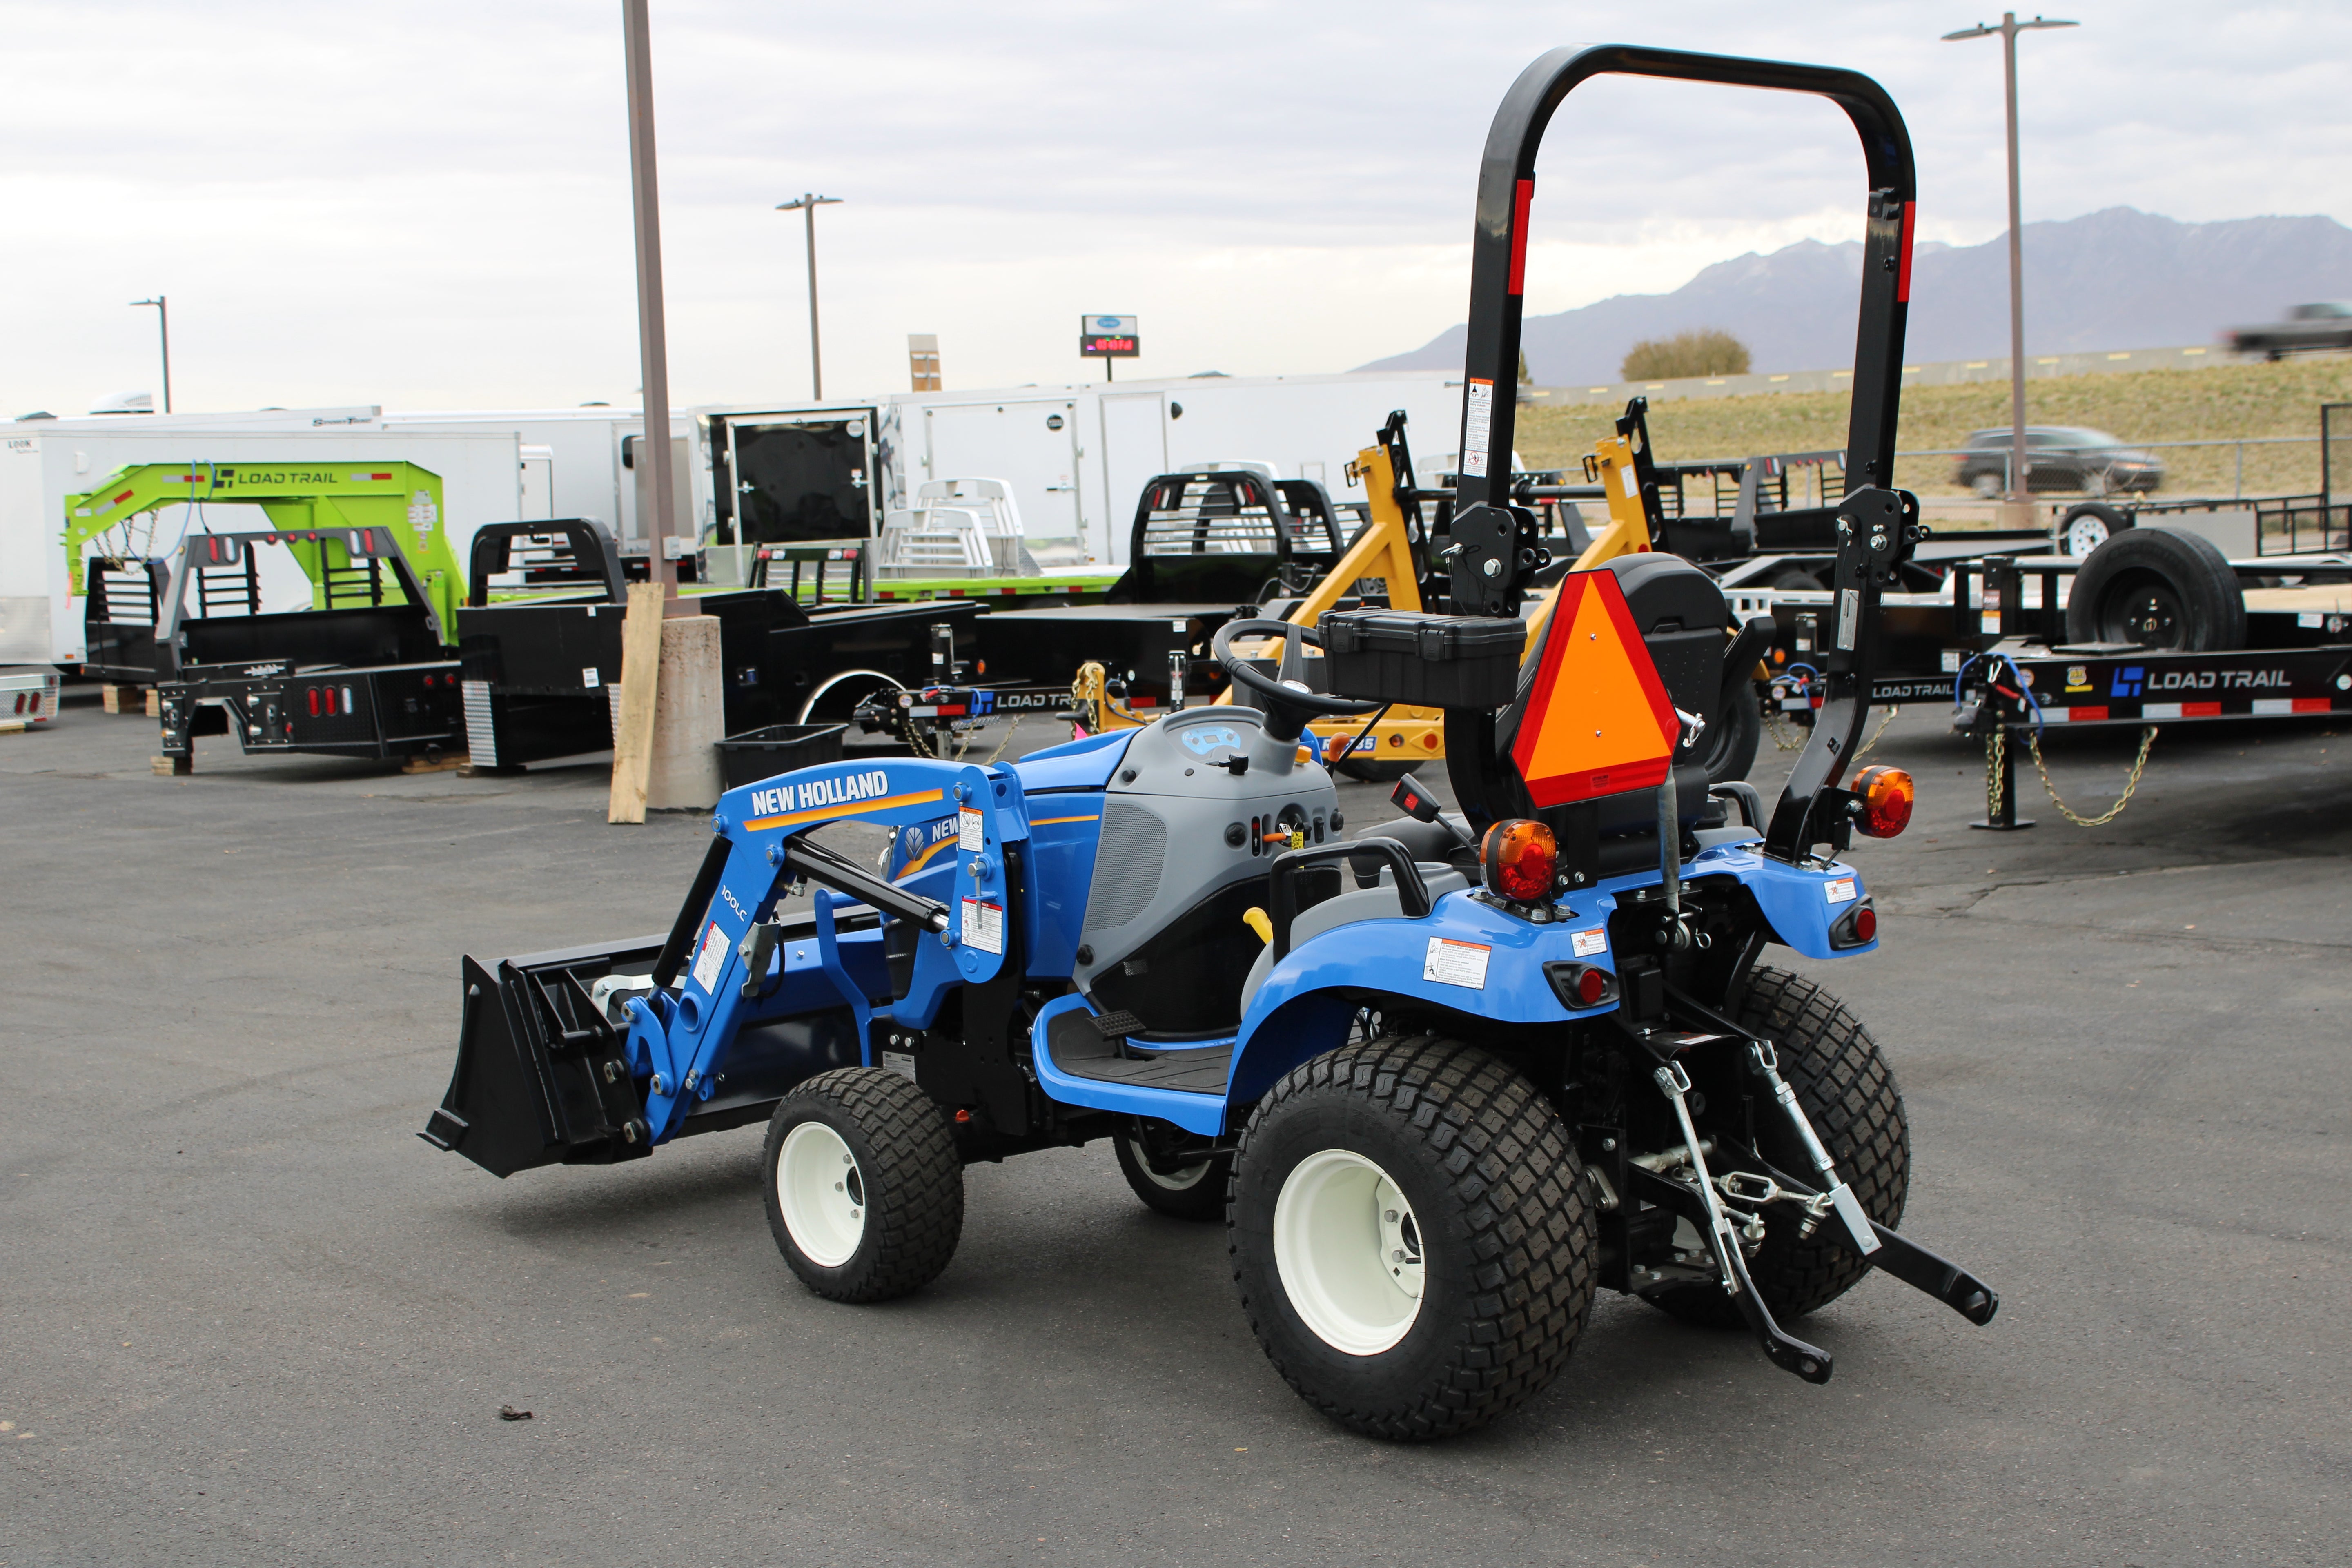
pixel 1598 721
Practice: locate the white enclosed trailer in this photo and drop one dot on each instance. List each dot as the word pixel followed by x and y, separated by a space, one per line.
pixel 1076 456
pixel 583 462
pixel 44 461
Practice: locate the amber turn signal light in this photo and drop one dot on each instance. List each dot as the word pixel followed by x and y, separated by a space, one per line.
pixel 1517 861
pixel 1886 794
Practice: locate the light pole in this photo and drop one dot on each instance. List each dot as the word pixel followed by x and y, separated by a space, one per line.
pixel 163 324
pixel 653 348
pixel 2019 494
pixel 808 204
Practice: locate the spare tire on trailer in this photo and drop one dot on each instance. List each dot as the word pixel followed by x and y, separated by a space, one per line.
pixel 2089 524
pixel 2160 588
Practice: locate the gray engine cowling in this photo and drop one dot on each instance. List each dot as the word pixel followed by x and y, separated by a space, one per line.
pixel 1183 837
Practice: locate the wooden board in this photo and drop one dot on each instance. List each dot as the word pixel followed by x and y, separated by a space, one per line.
pixel 455 760
pixel 633 730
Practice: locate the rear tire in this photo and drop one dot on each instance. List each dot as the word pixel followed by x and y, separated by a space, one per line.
pixel 1411 1236
pixel 864 1189
pixel 2160 588
pixel 1195 1193
pixel 1849 1094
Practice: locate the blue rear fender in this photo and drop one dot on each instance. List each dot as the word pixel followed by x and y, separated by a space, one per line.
pixel 1799 904
pixel 1465 955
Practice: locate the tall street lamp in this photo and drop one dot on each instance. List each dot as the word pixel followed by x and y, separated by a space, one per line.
pixel 164 323
pixel 2019 493
pixel 809 204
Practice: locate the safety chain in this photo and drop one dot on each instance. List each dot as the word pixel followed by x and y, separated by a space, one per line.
pixel 1788 737
pixel 1889 718
pixel 2146 741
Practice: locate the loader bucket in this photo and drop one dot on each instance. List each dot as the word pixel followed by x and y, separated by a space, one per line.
pixel 542 1077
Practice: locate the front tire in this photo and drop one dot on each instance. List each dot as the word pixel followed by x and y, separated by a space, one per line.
pixel 1849 1094
pixel 1411 1236
pixel 864 1189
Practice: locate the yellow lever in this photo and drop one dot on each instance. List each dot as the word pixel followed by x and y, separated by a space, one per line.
pixel 1256 919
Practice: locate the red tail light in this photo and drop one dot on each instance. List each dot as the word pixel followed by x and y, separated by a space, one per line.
pixel 314 702
pixel 1886 796
pixel 1518 860
pixel 1866 924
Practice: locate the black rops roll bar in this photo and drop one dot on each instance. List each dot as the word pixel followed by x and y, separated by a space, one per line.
pixel 592 548
pixel 1495 542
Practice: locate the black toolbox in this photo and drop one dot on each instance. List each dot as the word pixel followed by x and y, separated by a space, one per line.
pixel 1423 661
pixel 757 754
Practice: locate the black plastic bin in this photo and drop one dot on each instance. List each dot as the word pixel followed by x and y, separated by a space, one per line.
pixel 1423 661
pixel 757 754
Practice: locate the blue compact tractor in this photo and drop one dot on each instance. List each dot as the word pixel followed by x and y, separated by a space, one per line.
pixel 1442 1079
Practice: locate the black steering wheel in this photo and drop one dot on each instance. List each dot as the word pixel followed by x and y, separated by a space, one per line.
pixel 1286 696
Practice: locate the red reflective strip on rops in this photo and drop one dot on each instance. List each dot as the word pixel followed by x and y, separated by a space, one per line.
pixel 1519 201
pixel 1903 267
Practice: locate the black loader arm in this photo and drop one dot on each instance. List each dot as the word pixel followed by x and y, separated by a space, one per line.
pixel 1495 549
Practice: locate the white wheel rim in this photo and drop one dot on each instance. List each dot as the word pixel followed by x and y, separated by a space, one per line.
pixel 2085 535
pixel 1184 1181
pixel 822 1194
pixel 1349 1252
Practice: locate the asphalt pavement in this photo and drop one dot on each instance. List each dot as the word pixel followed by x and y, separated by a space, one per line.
pixel 246 1316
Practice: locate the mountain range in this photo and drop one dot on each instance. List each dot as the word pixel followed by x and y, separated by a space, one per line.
pixel 2117 279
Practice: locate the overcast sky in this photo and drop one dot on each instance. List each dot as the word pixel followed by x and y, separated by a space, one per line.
pixel 427 204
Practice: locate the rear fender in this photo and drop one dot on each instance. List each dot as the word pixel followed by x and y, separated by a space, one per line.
pixel 1800 903
pixel 1465 955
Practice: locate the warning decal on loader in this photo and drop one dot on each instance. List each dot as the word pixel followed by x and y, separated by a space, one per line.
pixel 983 926
pixel 711 959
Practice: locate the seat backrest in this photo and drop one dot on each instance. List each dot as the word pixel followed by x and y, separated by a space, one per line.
pixel 1683 617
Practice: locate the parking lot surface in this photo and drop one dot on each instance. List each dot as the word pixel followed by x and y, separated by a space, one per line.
pixel 250 1318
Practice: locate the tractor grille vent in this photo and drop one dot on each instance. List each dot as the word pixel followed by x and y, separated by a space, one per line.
pixel 1127 863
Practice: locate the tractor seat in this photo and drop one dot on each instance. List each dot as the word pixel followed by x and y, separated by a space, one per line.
pixel 1376 902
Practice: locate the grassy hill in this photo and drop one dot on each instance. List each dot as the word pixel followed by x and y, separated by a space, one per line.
pixel 2227 402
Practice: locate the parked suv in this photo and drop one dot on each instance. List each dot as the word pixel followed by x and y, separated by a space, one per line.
pixel 2057 458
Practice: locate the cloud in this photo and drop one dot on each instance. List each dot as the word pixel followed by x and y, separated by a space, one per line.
pixel 427 205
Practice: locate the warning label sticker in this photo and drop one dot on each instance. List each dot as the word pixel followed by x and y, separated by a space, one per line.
pixel 1840 890
pixel 1451 962
pixel 1589 942
pixel 710 959
pixel 1477 426
pixel 969 832
pixel 983 925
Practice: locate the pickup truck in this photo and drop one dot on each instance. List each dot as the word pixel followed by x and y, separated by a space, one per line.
pixel 2308 328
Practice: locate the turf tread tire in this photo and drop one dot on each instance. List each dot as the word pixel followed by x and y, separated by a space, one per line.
pixel 913 1176
pixel 1850 1096
pixel 1511 1178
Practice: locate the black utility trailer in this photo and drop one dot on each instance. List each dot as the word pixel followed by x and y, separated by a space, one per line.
pixel 2154 626
pixel 1207 545
pixel 539 674
pixel 365 675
